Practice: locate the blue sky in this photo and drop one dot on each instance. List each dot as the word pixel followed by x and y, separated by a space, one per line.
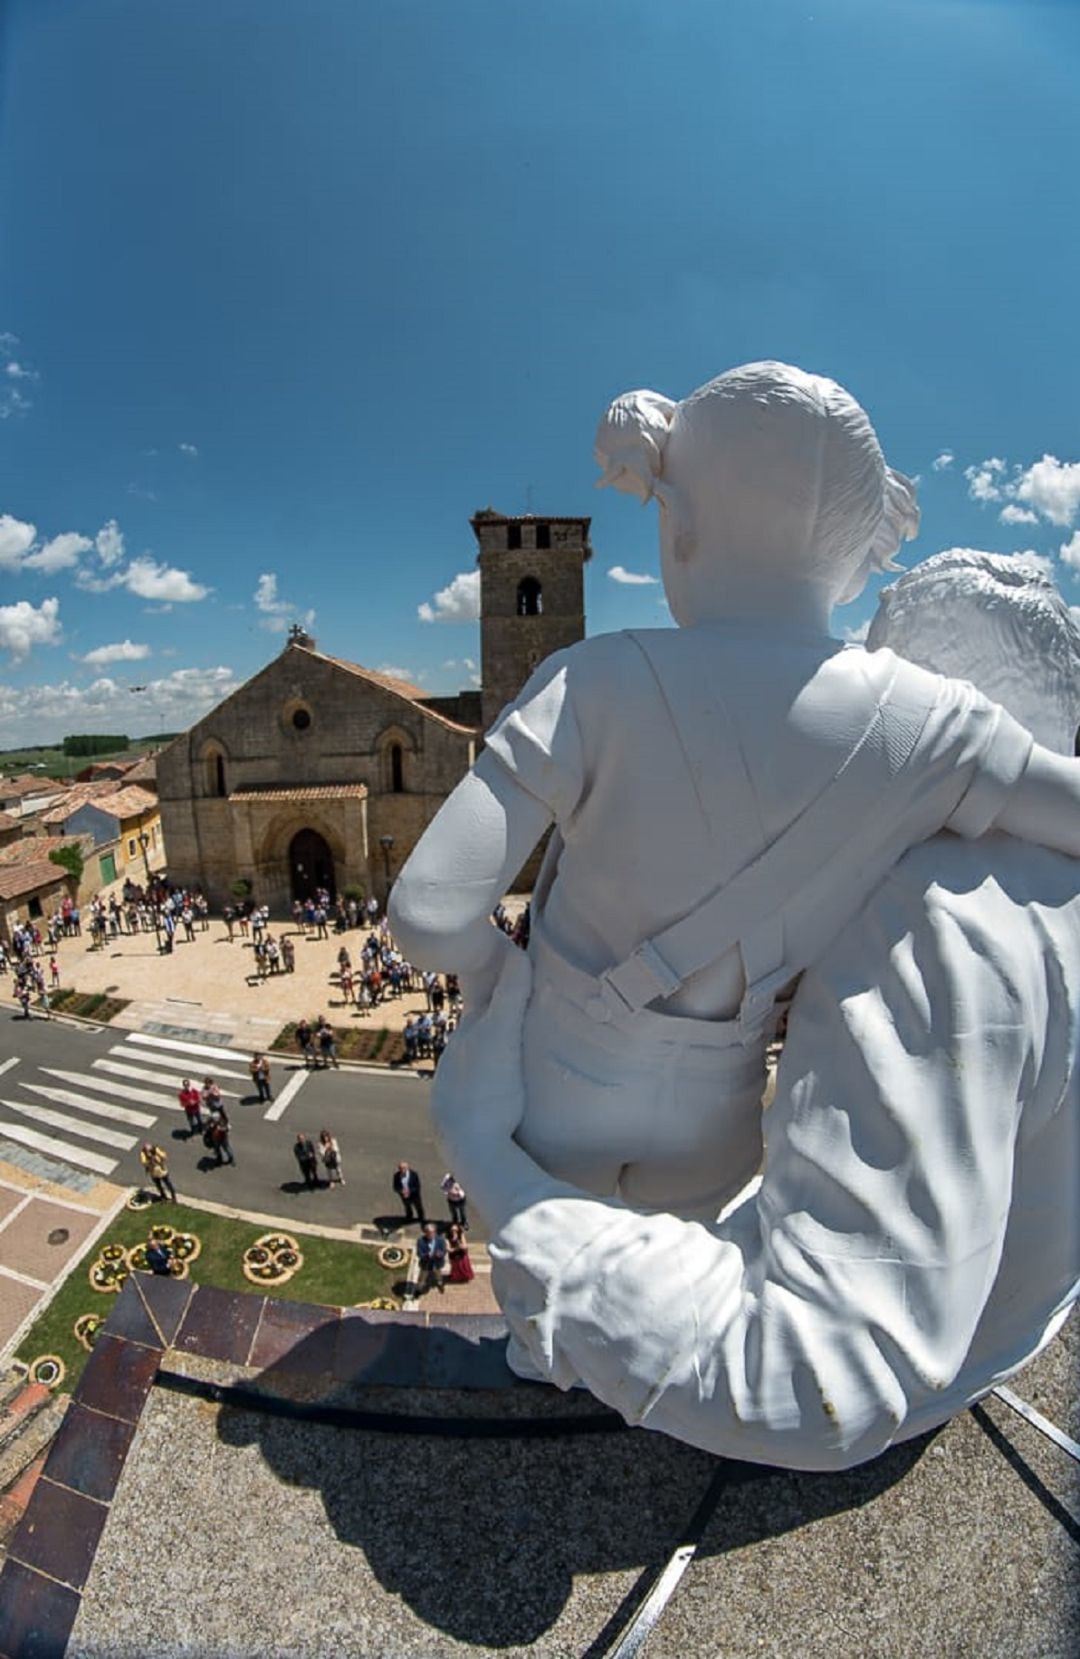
pixel 289 288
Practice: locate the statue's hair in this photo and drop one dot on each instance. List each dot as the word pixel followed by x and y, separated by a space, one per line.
pixel 780 462
pixel 997 620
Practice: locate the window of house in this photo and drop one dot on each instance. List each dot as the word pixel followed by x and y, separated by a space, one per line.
pixel 529 597
pixel 131 848
pixel 543 535
pixel 513 536
pixel 397 769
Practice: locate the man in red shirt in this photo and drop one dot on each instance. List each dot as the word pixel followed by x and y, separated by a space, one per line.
pixel 191 1101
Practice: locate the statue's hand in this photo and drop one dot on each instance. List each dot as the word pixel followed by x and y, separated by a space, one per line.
pixel 479 1093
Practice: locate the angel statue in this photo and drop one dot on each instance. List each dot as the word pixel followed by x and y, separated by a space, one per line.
pixel 750 818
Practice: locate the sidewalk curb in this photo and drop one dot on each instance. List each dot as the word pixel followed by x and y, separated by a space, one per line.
pixel 372 1067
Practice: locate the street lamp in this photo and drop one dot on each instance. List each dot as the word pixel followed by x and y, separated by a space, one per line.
pixel 144 843
pixel 386 842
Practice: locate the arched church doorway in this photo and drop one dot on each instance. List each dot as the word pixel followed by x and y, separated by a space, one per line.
pixel 311 864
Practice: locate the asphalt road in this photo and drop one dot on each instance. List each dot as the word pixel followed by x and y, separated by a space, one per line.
pixel 114 1081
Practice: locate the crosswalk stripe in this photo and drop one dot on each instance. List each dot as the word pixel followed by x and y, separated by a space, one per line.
pixel 146 1057
pixel 289 1092
pixel 58 1149
pixel 74 1126
pixel 115 1069
pixel 100 1108
pixel 144 1040
pixel 123 1091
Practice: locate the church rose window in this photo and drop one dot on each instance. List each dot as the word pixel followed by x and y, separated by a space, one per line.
pixel 301 719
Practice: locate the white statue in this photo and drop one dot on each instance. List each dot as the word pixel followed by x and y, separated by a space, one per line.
pixel 727 797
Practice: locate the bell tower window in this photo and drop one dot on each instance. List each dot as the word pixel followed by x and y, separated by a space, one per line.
pixel 530 599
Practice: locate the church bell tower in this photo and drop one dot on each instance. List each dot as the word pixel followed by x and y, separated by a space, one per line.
pixel 532 597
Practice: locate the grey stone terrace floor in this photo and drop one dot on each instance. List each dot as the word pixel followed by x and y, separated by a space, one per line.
pixel 237 1533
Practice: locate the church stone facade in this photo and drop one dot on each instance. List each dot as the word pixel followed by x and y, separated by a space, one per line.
pixel 319 772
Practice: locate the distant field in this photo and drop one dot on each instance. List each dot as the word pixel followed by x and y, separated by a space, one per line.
pixel 53 763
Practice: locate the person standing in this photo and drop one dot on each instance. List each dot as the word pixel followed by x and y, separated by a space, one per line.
pixel 260 1075
pixel 305 1043
pixel 431 1255
pixel 331 1157
pixel 327 1043
pixel 288 955
pixel 455 1198
pixel 156 1165
pixel 308 1159
pixel 218 1132
pixel 406 1184
pixel 457 1249
pixel 191 1100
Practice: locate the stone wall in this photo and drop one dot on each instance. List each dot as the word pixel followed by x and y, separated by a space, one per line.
pixel 305 721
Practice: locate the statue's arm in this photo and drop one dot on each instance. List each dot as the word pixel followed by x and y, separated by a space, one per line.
pixel 442 901
pixel 1044 806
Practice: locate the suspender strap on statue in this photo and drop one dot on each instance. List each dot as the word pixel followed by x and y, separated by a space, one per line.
pixel 746 911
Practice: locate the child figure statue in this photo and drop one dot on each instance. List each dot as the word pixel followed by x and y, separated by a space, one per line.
pixel 726 794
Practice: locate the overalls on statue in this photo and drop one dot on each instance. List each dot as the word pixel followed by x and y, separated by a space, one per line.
pixel 662 1109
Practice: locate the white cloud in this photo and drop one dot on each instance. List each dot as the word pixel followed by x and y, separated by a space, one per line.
pixel 1070 551
pixel 124 651
pixel 277 613
pixel 464 665
pixel 17 374
pixel 89 583
pixel 1012 514
pixel 22 626
pixel 150 580
pixel 109 542
pixel 857 636
pixel 60 553
pixel 394 671
pixel 16 539
pixel 631 578
pixel 44 713
pixel 1052 487
pixel 458 602
pixel 984 480
pixel 188 449
pixel 943 461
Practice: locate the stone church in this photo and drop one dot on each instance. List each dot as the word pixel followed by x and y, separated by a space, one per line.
pixel 321 773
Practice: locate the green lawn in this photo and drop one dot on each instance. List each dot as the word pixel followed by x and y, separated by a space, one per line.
pixel 335 1273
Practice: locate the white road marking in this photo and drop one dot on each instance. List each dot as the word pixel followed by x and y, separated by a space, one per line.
pixel 58 1149
pixel 100 1108
pixel 115 1069
pixel 288 1092
pixel 145 1057
pixel 74 1126
pixel 123 1091
pixel 23 1278
pixel 144 1040
pixel 6 1065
